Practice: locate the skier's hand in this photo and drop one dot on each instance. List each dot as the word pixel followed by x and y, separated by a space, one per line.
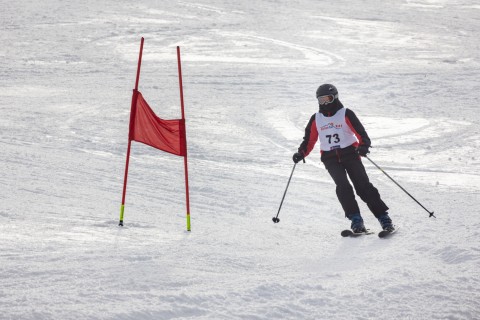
pixel 297 157
pixel 362 150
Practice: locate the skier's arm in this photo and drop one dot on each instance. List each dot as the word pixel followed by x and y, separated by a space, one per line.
pixel 357 128
pixel 310 138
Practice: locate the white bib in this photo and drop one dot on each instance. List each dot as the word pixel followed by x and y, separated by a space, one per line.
pixel 334 132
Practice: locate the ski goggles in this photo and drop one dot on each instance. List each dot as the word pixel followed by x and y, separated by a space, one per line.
pixel 325 99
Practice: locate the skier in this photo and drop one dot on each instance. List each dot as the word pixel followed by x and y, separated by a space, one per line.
pixel 343 140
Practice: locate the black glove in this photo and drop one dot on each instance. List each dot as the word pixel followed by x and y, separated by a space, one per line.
pixel 297 157
pixel 362 150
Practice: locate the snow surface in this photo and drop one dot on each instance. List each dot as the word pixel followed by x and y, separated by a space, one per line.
pixel 408 68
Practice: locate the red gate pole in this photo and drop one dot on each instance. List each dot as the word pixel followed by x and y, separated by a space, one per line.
pixel 185 158
pixel 133 110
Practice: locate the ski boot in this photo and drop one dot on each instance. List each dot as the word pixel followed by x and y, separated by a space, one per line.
pixel 357 225
pixel 386 222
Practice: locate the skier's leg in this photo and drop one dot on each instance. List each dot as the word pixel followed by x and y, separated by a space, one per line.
pixel 344 189
pixel 368 193
pixel 364 188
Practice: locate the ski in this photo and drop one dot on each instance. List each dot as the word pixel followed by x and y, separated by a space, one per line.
pixel 350 233
pixel 385 233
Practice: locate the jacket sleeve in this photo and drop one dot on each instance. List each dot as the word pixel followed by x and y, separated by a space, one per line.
pixel 310 138
pixel 357 128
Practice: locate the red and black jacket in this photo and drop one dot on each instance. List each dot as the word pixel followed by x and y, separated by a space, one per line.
pixel 311 136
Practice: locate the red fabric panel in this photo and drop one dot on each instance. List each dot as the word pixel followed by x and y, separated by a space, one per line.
pixel 147 128
pixel 313 137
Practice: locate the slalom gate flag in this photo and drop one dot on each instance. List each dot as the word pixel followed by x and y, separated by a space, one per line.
pixel 166 135
pixel 147 128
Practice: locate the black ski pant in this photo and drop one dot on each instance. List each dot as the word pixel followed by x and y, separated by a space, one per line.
pixel 365 190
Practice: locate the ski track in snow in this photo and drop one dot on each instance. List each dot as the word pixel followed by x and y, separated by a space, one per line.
pixel 408 69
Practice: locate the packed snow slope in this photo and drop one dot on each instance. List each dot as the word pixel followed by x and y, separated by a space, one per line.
pixel 408 68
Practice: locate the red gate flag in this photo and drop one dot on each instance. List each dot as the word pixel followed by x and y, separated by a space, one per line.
pixel 147 128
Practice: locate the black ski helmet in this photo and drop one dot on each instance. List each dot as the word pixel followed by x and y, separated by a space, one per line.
pixel 327 90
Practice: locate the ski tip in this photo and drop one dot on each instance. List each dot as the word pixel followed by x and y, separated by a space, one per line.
pixel 384 233
pixel 350 233
pixel 346 233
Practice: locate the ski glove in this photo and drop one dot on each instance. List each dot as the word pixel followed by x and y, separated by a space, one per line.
pixel 362 150
pixel 297 157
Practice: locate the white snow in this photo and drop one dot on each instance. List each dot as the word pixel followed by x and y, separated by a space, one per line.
pixel 409 69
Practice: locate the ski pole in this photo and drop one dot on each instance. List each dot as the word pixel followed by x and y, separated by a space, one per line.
pixel 275 219
pixel 431 213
